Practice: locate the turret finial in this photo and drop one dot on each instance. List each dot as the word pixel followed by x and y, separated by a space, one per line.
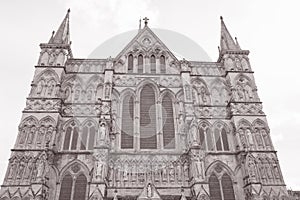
pixel 140 24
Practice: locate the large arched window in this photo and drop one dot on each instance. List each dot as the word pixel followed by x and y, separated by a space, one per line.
pixel 152 64
pixel 221 188
pixel 87 139
pixel 214 188
pixel 140 64
pixel 168 123
pixel 80 188
pixel 66 188
pixel 162 62
pixel 147 118
pixel 227 187
pixel 130 63
pixel 74 185
pixel 71 137
pixel 127 122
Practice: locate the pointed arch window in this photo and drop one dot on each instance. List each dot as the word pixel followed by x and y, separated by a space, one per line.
pixel 221 188
pixel 66 188
pixel 153 64
pixel 127 122
pixel 168 122
pixel 73 188
pixel 80 188
pixel 130 63
pixel 140 63
pixel 71 137
pixel 210 143
pixel 162 62
pixel 221 140
pixel 214 188
pixel 87 139
pixel 148 139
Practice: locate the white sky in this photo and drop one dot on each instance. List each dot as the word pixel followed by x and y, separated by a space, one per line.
pixel 269 29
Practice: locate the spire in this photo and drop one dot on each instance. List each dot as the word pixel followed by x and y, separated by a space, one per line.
pixel 52 36
pixel 62 35
pixel 227 43
pixel 140 24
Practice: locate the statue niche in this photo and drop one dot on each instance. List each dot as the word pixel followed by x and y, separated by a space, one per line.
pixel 46 84
pixel 244 90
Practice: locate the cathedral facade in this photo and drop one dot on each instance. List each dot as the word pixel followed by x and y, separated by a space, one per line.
pixel 143 125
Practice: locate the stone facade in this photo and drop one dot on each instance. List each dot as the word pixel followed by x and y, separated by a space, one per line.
pixel 143 125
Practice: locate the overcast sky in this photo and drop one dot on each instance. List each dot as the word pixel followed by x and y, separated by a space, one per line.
pixel 269 29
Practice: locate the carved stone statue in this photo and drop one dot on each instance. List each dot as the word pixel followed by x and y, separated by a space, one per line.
pixel 149 191
pixel 181 125
pixel 194 134
pixel 239 92
pixel 203 96
pixel 250 138
pixel 251 169
pixel 276 171
pixel 102 131
pixel 266 137
pixel 100 169
pixel 21 169
pixel 31 135
pixel 40 166
pixel 242 137
pixel 23 134
pixel 12 169
pixel 40 87
pixel 28 170
pixel 238 64
pixel 248 92
pixel 197 167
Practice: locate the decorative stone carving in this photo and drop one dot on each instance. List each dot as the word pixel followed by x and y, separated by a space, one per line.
pixel 42 105
pixel 208 112
pixel 81 110
pixel 246 109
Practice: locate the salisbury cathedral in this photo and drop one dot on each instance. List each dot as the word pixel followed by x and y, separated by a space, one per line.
pixel 143 125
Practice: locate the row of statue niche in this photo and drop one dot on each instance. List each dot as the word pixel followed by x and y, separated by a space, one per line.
pixel 90 94
pixel 46 88
pixel 267 170
pixel 260 138
pixel 243 91
pixel 52 58
pixel 82 95
pixel 27 169
pixel 42 135
pixel 135 174
pixel 238 64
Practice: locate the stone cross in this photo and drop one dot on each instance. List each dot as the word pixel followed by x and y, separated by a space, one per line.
pixel 146 21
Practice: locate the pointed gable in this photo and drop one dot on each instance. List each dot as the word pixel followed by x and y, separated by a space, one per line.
pixel 147 43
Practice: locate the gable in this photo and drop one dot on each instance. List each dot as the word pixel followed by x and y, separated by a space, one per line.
pixel 146 43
